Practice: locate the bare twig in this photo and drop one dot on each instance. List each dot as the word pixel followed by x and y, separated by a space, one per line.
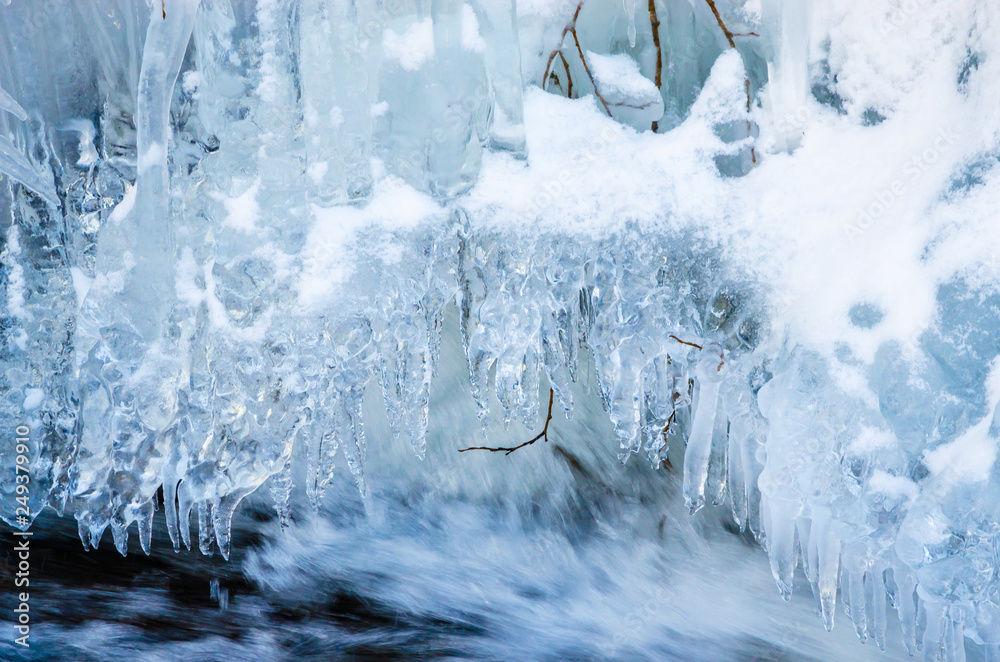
pixel 550 75
pixel 666 431
pixel 753 150
pixel 548 65
pixel 571 30
pixel 163 6
pixel 654 21
pixel 732 44
pixel 684 342
pixel 544 434
pixel 590 75
pixel 718 18
pixel 696 346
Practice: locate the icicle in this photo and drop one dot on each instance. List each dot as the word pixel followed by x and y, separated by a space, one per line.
pixel 875 578
pixel 954 641
pixel 555 362
pixel 845 593
pixel 335 50
pixel 934 634
pixel 144 521
pixel 350 428
pixel 281 493
pixel 809 548
pixel 205 532
pixel 738 496
pixel 21 169
pixel 503 60
pixel 530 388
pixel 906 606
pixel 8 103
pixel 405 373
pixel 786 24
pixel 828 567
pixel 84 533
pixel 753 456
pixel 781 545
pixel 921 622
pixel 185 503
pixel 96 531
pixel 717 470
pixel 479 366
pixel 510 374
pixel 170 508
pixel 856 593
pixel 119 530
pixel 624 396
pixel 657 380
pixel 698 453
pixel 222 519
pixel 322 452
pixel 803 528
pixel 166 42
pixel 629 6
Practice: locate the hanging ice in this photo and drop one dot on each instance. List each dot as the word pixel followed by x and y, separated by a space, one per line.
pixel 224 220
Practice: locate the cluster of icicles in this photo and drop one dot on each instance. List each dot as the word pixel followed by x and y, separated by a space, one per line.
pixel 676 364
pixel 194 370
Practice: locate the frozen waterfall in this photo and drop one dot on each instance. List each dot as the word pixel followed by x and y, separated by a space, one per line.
pixel 760 233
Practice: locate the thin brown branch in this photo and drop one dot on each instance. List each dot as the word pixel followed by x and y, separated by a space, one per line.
pixel 548 66
pixel 684 342
pixel 163 6
pixel 732 44
pixel 654 21
pixel 569 76
pixel 571 29
pixel 718 18
pixel 753 150
pixel 551 75
pixel 571 26
pixel 590 75
pixel 666 431
pixel 544 434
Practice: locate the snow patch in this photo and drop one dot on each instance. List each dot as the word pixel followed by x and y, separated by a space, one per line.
pixel 412 49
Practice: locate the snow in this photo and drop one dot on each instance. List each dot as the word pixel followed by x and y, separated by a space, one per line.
pixel 123 208
pixel 968 459
pixel 33 398
pixel 81 284
pixel 87 150
pixel 472 41
pixel 154 155
pixel 619 75
pixel 412 49
pixel 326 259
pixel 242 211
pixel 898 487
pixel 624 88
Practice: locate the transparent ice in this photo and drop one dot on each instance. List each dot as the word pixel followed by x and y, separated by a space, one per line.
pixel 202 269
